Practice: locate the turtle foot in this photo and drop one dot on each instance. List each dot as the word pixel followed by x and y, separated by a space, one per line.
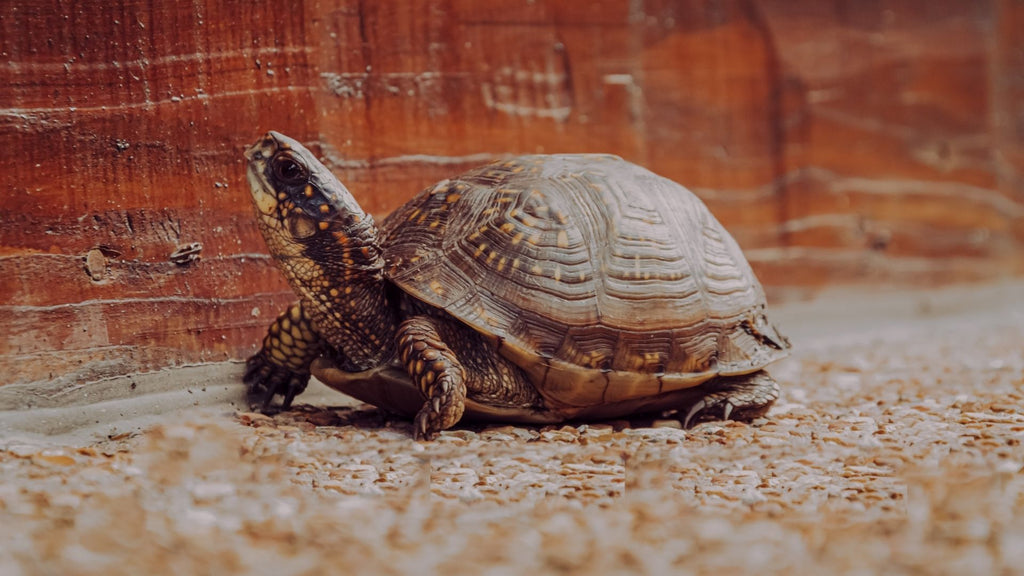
pixel 266 380
pixel 735 397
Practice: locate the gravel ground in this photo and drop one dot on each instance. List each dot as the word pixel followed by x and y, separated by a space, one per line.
pixel 896 448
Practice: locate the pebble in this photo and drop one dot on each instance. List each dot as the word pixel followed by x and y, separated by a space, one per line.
pixel 922 446
pixel 667 424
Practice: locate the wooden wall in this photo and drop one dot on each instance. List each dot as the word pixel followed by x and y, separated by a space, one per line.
pixel 877 141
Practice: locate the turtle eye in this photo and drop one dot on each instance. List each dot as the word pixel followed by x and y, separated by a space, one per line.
pixel 288 170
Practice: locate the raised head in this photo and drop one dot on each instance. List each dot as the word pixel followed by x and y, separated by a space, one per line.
pixel 294 193
pixel 327 247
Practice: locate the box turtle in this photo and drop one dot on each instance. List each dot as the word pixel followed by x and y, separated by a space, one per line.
pixel 536 289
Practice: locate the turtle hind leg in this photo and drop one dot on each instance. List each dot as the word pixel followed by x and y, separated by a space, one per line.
pixel 734 398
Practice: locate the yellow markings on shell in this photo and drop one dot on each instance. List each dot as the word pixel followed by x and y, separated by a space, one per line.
pixel 535 239
pixel 414 214
pixel 334 292
pixel 583 276
pixel 529 221
pixel 515 263
pixel 323 225
pixel 594 358
pixel 508 227
pixel 558 273
pixel 562 218
pixel 501 263
pixel 324 208
pixel 453 198
pixel 536 269
pixel 308 191
pixel 653 360
pixel 563 239
pixel 486 316
pixel 282 196
pixel 542 210
pixel 479 250
pixel 518 238
pixel 341 238
pixel 477 234
pixel 348 289
pixel 490 211
pixel 491 256
pixel 437 288
pixel 435 223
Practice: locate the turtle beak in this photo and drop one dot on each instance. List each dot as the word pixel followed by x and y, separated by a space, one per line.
pixel 257 155
pixel 263 148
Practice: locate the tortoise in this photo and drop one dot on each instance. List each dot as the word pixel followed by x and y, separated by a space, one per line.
pixel 536 289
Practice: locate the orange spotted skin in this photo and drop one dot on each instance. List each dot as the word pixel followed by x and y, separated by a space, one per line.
pixel 328 249
pixel 437 373
pixel 535 289
pixel 290 346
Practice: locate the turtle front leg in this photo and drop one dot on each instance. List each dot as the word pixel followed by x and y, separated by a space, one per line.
pixel 735 397
pixel 282 364
pixel 436 371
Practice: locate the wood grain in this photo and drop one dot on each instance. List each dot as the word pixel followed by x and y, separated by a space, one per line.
pixel 840 142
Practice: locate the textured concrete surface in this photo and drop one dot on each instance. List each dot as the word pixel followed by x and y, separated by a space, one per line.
pixel 897 448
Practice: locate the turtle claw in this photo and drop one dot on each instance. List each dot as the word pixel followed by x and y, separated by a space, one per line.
pixel 696 409
pixel 421 426
pixel 727 410
pixel 266 380
pixel 704 404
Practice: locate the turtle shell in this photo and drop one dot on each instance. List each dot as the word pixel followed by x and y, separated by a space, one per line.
pixel 602 280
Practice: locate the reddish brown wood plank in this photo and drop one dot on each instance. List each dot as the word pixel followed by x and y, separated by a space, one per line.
pixel 839 141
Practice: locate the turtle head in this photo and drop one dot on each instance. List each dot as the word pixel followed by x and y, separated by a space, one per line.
pixel 326 245
pixel 297 198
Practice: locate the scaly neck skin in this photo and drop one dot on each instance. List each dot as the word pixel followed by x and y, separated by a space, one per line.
pixel 339 274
